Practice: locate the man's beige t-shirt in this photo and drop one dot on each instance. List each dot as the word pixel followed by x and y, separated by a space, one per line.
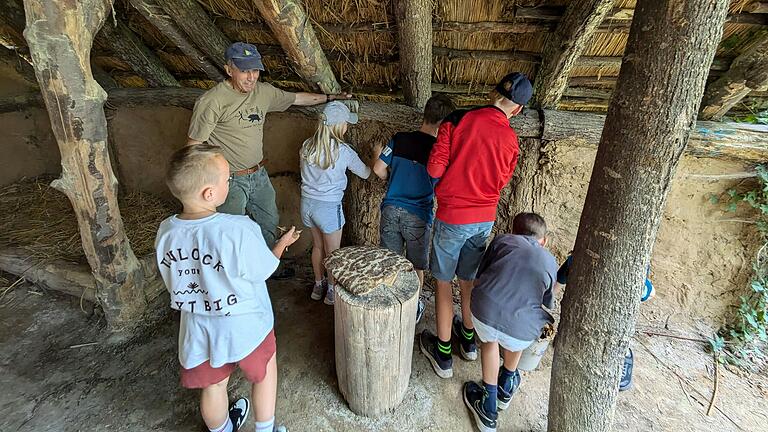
pixel 234 121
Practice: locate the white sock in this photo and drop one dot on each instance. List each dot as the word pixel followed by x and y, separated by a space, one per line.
pixel 318 283
pixel 226 427
pixel 265 426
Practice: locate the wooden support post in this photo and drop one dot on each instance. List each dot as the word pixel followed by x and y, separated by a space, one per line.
pixel 154 13
pixel 748 72
pixel 195 22
pixel 564 47
pixel 128 47
pixel 414 33
pixel 670 45
pixel 60 35
pixel 291 27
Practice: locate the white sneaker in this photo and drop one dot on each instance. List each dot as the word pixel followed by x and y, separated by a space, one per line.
pixel 317 290
pixel 329 295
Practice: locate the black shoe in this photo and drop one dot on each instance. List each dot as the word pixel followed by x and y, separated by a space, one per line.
pixel 474 395
pixel 626 371
pixel 467 349
pixel 283 273
pixel 238 413
pixel 428 346
pixel 502 401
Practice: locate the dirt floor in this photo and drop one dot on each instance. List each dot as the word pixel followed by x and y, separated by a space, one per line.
pixel 59 372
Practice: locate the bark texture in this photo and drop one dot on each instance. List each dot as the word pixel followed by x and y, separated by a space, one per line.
pixel 414 34
pixel 154 13
pixel 748 72
pixel 195 22
pixel 60 36
pixel 291 27
pixel 128 47
pixel 649 121
pixel 564 47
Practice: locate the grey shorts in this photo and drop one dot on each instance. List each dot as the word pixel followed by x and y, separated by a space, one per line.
pixel 487 333
pixel 401 231
pixel 457 249
pixel 327 216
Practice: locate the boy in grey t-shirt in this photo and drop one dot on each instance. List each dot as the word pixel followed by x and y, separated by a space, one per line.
pixel 515 279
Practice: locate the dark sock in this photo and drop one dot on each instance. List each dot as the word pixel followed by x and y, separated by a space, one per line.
pixel 505 379
pixel 489 404
pixel 444 349
pixel 467 334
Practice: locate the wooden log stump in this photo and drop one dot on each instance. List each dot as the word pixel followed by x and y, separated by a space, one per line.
pixel 375 318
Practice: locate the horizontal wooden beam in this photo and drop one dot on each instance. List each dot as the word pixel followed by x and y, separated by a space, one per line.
pixel 69 278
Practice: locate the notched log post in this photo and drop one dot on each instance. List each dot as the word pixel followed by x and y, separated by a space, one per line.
pixel 60 36
pixel 291 27
pixel 414 33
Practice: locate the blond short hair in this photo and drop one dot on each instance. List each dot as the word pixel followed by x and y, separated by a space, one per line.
pixel 191 168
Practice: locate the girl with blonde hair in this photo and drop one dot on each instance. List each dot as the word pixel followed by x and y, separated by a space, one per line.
pixel 325 158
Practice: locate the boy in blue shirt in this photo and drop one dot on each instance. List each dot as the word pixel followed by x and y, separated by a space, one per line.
pixel 406 210
pixel 648 293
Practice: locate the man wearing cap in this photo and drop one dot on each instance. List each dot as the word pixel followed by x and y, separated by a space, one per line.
pixel 474 157
pixel 231 115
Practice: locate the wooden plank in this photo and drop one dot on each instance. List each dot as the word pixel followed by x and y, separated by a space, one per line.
pixel 195 22
pixel 291 27
pixel 564 47
pixel 749 71
pixel 154 13
pixel 65 277
pixel 414 35
pixel 129 48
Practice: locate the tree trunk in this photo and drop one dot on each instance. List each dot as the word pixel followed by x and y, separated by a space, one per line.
pixel 153 12
pixel 60 36
pixel 520 194
pixel 650 118
pixel 128 47
pixel 564 47
pixel 291 26
pixel 195 22
pixel 748 72
pixel 414 33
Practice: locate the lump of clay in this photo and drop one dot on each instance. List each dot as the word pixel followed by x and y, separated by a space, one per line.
pixel 360 269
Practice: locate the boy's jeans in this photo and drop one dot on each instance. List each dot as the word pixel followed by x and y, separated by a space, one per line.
pixel 254 195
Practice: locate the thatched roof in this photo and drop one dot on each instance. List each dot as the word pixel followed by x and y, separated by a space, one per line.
pixel 360 41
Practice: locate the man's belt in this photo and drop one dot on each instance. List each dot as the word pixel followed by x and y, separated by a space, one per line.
pixel 251 170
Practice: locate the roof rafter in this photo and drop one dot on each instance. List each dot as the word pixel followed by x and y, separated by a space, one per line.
pixel 195 22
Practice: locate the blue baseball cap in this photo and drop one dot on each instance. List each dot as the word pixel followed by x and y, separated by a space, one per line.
pixel 245 56
pixel 515 87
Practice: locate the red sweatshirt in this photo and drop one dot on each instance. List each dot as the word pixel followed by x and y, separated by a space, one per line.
pixel 474 157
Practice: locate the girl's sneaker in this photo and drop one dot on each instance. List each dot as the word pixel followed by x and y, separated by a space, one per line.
pixel 318 290
pixel 329 295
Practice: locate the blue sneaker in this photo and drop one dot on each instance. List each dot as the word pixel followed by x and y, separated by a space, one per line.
pixel 502 401
pixel 467 349
pixel 428 346
pixel 474 395
pixel 626 371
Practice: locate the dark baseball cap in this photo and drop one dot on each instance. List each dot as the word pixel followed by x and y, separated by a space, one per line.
pixel 515 87
pixel 245 56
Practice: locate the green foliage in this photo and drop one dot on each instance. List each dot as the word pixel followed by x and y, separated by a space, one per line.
pixel 745 338
pixel 753 117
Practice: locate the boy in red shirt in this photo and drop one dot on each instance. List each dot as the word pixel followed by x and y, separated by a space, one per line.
pixel 474 157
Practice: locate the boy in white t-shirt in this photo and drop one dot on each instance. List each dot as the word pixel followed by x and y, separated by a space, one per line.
pixel 215 266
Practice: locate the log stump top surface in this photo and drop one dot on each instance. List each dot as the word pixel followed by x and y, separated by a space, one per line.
pixel 372 277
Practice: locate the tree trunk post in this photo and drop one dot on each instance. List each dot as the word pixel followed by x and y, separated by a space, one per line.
pixel 291 27
pixel 748 72
pixel 60 36
pixel 195 22
pixel 650 118
pixel 414 32
pixel 564 47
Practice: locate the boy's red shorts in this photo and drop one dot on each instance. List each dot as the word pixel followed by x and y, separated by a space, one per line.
pixel 254 367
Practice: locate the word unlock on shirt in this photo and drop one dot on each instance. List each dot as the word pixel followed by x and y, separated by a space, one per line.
pixel 178 255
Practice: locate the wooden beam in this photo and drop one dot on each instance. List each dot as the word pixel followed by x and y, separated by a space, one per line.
pixel 154 13
pixel 414 35
pixel 60 36
pixel 757 7
pixel 62 276
pixel 748 72
pixel 195 22
pixel 564 47
pixel 291 27
pixel 128 47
